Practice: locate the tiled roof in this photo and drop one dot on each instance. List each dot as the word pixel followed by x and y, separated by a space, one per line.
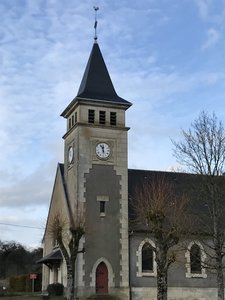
pixel 96 84
pixel 54 256
pixel 186 184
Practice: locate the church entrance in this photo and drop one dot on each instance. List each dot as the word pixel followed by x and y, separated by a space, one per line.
pixel 102 279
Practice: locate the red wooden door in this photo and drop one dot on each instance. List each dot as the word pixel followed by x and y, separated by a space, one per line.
pixel 102 279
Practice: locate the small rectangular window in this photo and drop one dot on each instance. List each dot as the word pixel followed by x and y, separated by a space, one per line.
pixel 102 199
pixel 70 123
pixel 91 116
pixel 75 117
pixel 112 118
pixel 102 117
pixel 102 207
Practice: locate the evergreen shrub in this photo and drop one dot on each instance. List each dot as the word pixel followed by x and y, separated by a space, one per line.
pixel 55 289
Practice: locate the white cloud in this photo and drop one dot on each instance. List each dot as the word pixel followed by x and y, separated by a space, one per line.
pixel 211 11
pixel 213 36
pixel 203 7
pixel 35 189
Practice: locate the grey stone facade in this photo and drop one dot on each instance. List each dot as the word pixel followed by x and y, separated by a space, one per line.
pixel 99 187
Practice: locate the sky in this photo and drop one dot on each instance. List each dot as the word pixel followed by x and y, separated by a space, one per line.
pixel 167 57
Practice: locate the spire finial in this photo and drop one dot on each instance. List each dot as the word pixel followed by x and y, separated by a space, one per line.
pixel 96 8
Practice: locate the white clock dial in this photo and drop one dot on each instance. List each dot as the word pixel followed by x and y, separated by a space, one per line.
pixel 103 150
pixel 70 154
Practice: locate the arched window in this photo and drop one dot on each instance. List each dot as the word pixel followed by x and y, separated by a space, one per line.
pixel 195 256
pixel 195 259
pixel 147 258
pixel 146 265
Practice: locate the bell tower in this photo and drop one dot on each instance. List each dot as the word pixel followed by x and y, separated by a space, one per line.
pixel 95 170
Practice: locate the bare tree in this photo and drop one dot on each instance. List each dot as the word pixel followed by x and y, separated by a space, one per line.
pixel 160 211
pixel 202 150
pixel 68 236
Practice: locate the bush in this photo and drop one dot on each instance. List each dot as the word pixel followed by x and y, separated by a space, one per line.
pixel 18 283
pixel 23 283
pixel 55 289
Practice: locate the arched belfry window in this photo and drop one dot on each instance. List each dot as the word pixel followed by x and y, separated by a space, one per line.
pixel 195 256
pixel 146 265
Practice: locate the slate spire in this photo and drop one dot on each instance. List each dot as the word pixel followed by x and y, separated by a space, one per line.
pixel 96 83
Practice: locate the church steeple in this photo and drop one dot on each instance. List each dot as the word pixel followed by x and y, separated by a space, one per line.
pixel 96 83
pixel 95 176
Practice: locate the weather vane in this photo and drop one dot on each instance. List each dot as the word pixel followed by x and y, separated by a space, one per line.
pixel 96 8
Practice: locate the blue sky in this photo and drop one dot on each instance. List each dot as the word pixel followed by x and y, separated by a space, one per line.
pixel 167 57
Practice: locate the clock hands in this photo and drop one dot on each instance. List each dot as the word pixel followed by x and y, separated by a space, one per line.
pixel 103 148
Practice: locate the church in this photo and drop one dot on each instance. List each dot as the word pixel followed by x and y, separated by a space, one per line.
pixel 94 179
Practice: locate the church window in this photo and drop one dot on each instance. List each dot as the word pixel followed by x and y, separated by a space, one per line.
pixel 147 258
pixel 195 256
pixel 195 259
pixel 146 264
pixel 102 208
pixel 91 116
pixel 75 117
pixel 112 118
pixel 55 244
pixel 72 123
pixel 102 117
pixel 102 199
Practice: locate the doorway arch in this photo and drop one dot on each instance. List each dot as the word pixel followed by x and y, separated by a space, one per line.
pixel 101 279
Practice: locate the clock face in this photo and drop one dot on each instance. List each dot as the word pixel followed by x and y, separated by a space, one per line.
pixel 70 154
pixel 103 150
